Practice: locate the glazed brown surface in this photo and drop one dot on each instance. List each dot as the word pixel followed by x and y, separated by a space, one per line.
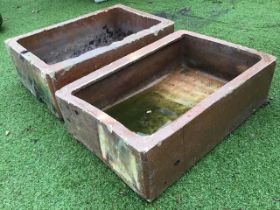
pixel 225 82
pixel 53 57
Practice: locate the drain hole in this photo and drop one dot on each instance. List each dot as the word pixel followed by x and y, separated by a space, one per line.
pixel 76 112
pixel 177 162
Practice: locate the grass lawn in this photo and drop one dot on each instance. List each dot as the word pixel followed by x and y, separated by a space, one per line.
pixel 43 167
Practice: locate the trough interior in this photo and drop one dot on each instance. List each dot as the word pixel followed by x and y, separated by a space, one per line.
pixel 152 92
pixel 75 38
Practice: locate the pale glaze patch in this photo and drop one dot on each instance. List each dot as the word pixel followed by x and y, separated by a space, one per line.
pixel 119 157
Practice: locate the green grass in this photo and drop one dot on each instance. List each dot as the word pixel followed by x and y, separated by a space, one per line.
pixel 43 167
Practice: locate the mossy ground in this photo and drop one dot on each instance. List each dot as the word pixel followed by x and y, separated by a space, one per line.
pixel 43 167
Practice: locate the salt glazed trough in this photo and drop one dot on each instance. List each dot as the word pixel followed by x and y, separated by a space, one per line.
pixel 52 57
pixel 154 113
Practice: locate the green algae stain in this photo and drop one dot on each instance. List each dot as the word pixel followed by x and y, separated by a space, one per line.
pixel 153 108
pixel 146 112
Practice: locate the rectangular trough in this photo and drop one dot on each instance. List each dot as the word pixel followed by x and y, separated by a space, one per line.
pixel 52 57
pixel 154 113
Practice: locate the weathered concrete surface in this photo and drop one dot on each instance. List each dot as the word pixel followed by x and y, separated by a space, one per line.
pixel 150 163
pixel 54 56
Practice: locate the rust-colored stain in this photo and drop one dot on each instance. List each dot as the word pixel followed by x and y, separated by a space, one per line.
pixel 199 88
pixel 188 86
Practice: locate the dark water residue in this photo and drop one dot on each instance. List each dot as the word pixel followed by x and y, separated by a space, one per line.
pixel 103 37
pixel 107 37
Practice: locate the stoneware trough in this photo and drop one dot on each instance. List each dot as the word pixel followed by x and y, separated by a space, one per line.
pixel 154 113
pixel 52 57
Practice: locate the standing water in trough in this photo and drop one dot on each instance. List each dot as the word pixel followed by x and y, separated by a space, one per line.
pixel 180 90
